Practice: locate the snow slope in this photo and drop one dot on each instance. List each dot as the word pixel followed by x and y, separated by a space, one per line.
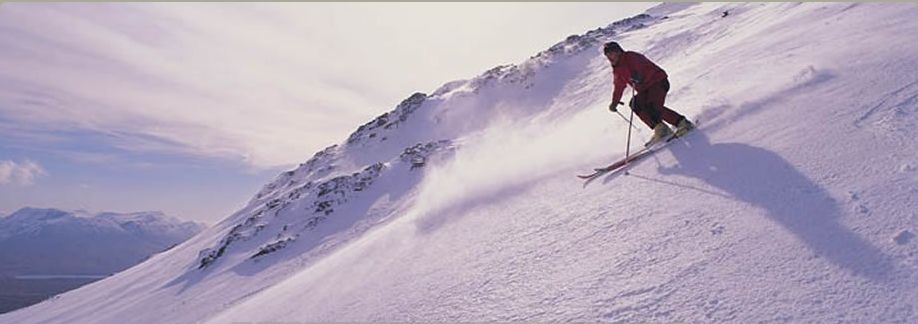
pixel 794 202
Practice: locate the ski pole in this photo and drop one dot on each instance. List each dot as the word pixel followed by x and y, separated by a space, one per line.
pixel 628 144
pixel 626 119
pixel 623 116
pixel 631 124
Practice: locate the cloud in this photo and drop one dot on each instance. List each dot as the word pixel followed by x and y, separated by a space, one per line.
pixel 20 173
pixel 266 84
pixel 170 80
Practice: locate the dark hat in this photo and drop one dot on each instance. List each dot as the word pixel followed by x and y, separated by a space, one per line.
pixel 612 47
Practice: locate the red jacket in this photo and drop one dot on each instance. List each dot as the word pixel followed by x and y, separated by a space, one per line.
pixel 635 70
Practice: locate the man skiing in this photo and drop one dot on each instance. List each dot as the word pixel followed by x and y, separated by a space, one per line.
pixel 651 83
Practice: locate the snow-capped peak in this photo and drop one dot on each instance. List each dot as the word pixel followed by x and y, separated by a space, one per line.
pixel 29 218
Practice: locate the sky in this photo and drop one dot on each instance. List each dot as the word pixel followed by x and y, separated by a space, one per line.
pixel 189 108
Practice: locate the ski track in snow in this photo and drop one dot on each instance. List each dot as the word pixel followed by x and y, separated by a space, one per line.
pixel 794 201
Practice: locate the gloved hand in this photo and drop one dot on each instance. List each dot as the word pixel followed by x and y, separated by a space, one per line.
pixel 613 107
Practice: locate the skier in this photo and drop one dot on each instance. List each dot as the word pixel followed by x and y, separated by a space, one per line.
pixel 651 83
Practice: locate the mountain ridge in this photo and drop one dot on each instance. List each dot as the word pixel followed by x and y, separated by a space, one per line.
pixel 36 233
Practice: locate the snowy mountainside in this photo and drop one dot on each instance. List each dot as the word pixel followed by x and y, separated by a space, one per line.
pixel 793 202
pixel 419 129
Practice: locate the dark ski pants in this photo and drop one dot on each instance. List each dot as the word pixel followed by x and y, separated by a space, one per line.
pixel 649 105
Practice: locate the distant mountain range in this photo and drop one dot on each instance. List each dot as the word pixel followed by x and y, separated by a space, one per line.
pixel 36 241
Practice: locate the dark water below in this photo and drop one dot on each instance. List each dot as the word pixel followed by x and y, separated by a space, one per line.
pixel 21 291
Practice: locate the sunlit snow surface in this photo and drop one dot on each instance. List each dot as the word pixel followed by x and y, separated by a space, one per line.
pixel 795 201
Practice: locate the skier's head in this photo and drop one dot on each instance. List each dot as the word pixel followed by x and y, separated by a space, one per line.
pixel 612 47
pixel 612 51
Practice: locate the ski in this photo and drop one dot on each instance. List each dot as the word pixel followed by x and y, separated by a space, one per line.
pixel 620 164
pixel 631 158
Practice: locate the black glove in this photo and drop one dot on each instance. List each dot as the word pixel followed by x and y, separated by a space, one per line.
pixel 613 107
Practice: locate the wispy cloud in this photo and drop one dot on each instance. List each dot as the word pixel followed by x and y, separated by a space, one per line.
pixel 172 79
pixel 23 173
pixel 266 84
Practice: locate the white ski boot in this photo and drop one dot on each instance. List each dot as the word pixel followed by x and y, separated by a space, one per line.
pixel 684 127
pixel 660 132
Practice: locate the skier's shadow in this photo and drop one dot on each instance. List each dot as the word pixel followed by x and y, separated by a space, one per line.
pixel 764 179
